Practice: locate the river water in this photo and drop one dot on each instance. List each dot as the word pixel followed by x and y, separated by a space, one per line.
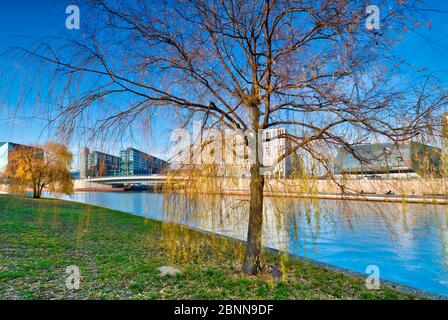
pixel 408 243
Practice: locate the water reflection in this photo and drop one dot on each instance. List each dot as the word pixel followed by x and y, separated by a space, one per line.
pixel 408 242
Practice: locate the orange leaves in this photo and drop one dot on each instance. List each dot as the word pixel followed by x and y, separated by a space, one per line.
pixel 32 168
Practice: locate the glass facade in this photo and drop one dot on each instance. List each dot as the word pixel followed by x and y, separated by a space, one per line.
pixel 134 162
pixel 101 164
pixel 384 158
pixel 7 147
pixel 4 152
pixel 130 162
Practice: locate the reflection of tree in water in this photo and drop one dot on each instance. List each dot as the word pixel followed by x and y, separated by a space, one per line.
pixel 296 225
pixel 440 214
pixel 309 218
pixel 443 224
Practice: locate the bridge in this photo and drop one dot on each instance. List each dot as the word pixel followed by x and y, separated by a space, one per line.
pixel 153 179
pixel 117 183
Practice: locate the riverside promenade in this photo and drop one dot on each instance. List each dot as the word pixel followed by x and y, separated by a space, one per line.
pixel 432 191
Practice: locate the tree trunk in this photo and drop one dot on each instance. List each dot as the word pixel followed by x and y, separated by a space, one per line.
pixel 38 192
pixel 35 191
pixel 253 249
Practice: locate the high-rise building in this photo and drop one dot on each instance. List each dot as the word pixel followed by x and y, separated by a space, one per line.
pixel 231 154
pixel 135 162
pixel 277 154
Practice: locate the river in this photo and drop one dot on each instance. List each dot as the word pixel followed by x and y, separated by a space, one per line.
pixel 408 243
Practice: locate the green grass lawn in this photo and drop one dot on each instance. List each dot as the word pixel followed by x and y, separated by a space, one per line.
pixel 118 255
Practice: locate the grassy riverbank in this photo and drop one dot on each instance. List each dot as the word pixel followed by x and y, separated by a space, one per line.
pixel 118 255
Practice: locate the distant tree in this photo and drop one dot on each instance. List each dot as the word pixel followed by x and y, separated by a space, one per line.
pixel 40 167
pixel 102 170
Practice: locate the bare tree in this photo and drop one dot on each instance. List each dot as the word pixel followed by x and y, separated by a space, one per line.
pixel 312 66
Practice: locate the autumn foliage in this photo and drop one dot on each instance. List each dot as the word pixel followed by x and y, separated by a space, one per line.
pixel 39 168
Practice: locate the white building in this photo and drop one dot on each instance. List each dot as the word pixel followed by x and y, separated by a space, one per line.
pixel 230 155
pixel 4 155
pixel 276 145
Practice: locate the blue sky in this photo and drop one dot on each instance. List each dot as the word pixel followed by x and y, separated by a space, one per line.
pixel 21 22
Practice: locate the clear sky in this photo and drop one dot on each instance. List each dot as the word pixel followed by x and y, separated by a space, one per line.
pixel 22 22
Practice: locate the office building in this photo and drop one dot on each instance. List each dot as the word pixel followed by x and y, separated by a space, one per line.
pixel 229 154
pixel 5 151
pixel 130 162
pixel 378 159
pixel 277 153
pixel 98 164
pixel 134 162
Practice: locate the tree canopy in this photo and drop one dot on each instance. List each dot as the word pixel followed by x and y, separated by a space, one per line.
pixel 39 168
pixel 312 66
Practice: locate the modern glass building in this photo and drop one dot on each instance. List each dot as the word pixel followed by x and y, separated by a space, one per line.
pixel 4 155
pixel 130 162
pixel 5 150
pixel 135 162
pixel 386 158
pixel 98 164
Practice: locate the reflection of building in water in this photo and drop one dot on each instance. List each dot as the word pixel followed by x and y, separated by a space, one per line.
pixel 276 225
pixel 229 216
pixel 401 160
